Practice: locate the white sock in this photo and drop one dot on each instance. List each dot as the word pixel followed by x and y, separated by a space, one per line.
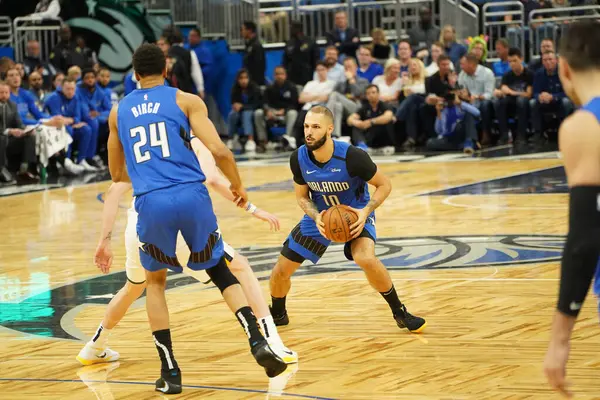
pixel 269 329
pixel 100 337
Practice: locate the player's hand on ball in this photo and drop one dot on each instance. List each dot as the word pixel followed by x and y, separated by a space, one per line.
pixel 268 217
pixel 240 196
pixel 104 256
pixel 321 224
pixel 357 227
pixel 555 367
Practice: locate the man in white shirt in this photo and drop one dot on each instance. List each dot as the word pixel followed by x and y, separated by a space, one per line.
pixel 335 71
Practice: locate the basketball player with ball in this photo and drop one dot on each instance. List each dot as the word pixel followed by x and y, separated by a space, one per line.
pixel 330 180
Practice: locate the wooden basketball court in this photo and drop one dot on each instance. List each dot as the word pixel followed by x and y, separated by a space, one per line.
pixel 480 262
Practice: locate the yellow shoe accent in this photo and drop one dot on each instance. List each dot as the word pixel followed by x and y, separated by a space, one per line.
pixel 421 328
pixel 290 359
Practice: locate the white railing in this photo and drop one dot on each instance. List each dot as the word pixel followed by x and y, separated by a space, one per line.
pixel 44 31
pixel 496 24
pixel 462 14
pixel 6 31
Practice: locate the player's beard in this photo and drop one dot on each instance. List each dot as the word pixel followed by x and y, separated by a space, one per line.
pixel 317 144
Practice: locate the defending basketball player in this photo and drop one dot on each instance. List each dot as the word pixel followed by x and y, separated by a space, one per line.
pixel 97 350
pixel 328 173
pixel 149 143
pixel 579 141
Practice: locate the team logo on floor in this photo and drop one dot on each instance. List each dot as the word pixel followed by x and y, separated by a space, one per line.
pixel 36 308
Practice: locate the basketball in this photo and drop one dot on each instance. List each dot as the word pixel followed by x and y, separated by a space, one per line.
pixel 337 221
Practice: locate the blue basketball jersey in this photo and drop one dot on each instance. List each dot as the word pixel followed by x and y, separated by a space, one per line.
pixel 155 134
pixel 332 184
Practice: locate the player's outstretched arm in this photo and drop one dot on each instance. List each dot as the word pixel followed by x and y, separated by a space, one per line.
pixel 203 129
pixel 116 156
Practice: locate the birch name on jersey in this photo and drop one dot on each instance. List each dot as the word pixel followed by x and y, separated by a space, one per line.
pixel 328 187
pixel 145 108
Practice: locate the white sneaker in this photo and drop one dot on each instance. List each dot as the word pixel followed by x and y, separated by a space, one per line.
pixel 87 167
pixel 98 160
pixel 251 146
pixel 388 150
pixel 291 141
pixel 72 168
pixel 92 355
pixel 288 356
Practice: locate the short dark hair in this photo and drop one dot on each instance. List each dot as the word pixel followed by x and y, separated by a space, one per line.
pixel 472 58
pixel 321 63
pixel 251 26
pixel 323 111
pixel 442 57
pixel 87 71
pixel 503 42
pixel 515 52
pixel 579 45
pixel 149 60
pixel 196 30
pixel 280 67
pixel 371 86
pixel 438 44
pixel 70 80
pixel 172 35
pixel 404 41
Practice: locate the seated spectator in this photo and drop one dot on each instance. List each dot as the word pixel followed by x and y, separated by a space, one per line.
pixel 64 55
pixel 380 47
pixel 89 55
pixel 246 109
pixel 478 46
pixel 64 102
pixel 548 94
pixel 281 103
pixel 16 144
pixel 480 82
pixel 130 83
pixel 33 62
pixel 95 108
pixel 412 98
pixel 347 96
pixel 436 88
pixel 373 124
pixel 424 33
pixel 74 73
pixel 300 55
pixel 513 97
pixel 389 83
pixel 367 69
pixel 437 49
pixel 454 125
pixel 404 55
pixel 5 64
pixel 501 67
pixel 57 81
pixel 19 67
pixel 104 81
pixel 335 71
pixel 36 89
pixel 546 46
pixel 450 46
pixel 344 38
pixel 413 82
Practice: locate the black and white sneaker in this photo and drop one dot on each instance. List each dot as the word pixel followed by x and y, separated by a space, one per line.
pixel 266 358
pixel 169 382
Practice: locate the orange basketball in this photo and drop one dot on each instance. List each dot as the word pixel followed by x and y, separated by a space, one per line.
pixel 337 221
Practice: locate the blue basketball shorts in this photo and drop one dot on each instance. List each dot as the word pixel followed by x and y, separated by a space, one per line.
pixel 305 242
pixel 162 214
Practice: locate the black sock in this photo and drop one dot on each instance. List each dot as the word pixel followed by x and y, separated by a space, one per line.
pixel 250 325
pixel 162 340
pixel 392 299
pixel 278 307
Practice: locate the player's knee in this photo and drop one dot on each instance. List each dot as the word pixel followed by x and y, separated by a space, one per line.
pixel 239 264
pixel 363 258
pixel 221 275
pixel 134 289
pixel 283 270
pixel 156 278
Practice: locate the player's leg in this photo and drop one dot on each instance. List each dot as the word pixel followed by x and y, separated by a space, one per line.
pixel 363 252
pixel 597 286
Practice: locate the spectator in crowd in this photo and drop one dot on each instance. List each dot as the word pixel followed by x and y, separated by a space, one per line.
pixel 203 54
pixel 176 50
pixel 5 64
pixel 501 66
pixel 347 95
pixel 46 9
pixel 548 94
pixel 280 106
pixel 74 73
pixel 178 70
pixel 373 124
pixel 454 125
pixel 104 81
pixel 64 102
pixel 281 103
pixel 389 83
pixel 478 46
pixel 513 97
pixel 545 46
pixel 33 62
pixel 88 54
pixel 273 25
pixel 300 55
pixel 381 50
pixel 335 70
pixel 436 88
pixel 451 47
pixel 57 80
pixel 404 55
pixel 254 54
pixel 437 49
pixel 64 55
pixel 480 82
pixel 37 90
pixel 366 67
pixel 412 98
pixel 343 37
pixel 21 70
pixel 246 109
pixel 15 143
pixel 424 33
pixel 130 83
pixel 95 108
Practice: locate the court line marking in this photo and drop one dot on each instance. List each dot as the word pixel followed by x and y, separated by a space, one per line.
pixel 225 389
pixel 484 206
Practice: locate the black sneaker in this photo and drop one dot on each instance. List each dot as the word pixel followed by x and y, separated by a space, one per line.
pixel 169 382
pixel 270 361
pixel 280 320
pixel 404 319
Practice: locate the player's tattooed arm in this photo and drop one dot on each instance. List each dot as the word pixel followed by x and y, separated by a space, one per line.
pixel 383 188
pixel 372 205
pixel 308 207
